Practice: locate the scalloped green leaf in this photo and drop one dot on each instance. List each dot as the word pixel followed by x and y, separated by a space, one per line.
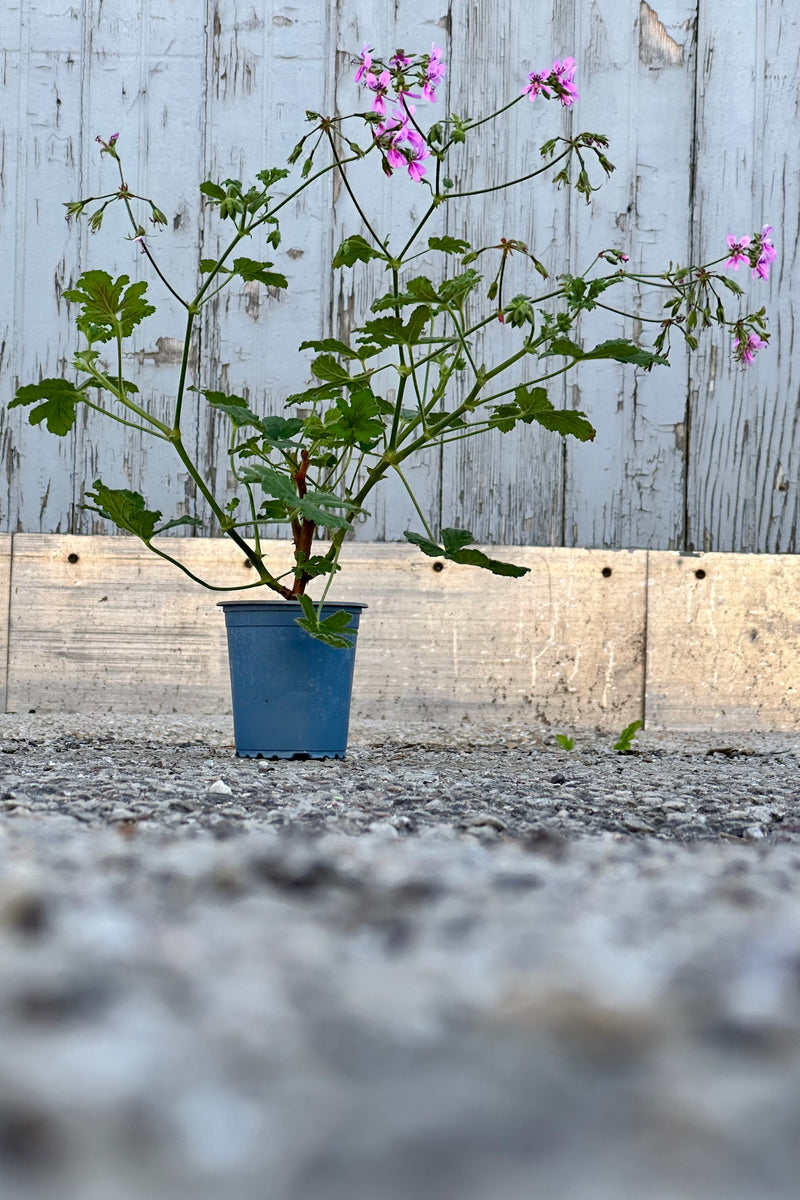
pixel 125 509
pixel 58 408
pixel 355 249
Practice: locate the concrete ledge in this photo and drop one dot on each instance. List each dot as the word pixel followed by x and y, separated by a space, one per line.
pixel 590 638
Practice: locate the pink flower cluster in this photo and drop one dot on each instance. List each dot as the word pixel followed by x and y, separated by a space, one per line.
pixel 744 349
pixel 393 133
pixel 401 141
pixel 758 251
pixel 559 80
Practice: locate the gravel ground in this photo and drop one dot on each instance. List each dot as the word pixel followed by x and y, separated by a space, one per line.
pixel 459 965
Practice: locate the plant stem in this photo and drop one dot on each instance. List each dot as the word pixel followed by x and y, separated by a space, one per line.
pixel 511 182
pixel 420 513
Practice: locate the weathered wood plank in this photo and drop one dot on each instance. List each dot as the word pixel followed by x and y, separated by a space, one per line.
pixel 506 487
pixel 393 207
pixel 743 444
pixel 39 88
pixel 265 68
pixel 144 75
pixel 636 65
pixel 722 649
pixel 116 631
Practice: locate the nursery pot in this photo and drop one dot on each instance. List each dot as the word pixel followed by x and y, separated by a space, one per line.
pixel 291 692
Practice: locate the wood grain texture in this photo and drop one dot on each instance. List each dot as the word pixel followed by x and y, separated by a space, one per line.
pixel 636 75
pixel 506 487
pixel 116 631
pixel 743 444
pixel 694 99
pixel 722 649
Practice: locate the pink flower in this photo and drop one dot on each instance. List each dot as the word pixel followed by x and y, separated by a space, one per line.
pixel 366 63
pixel 380 87
pixel 434 73
pixel 392 135
pixel 399 60
pixel 537 82
pixel 767 254
pixel 419 152
pixel 562 77
pixel 737 247
pixel 745 352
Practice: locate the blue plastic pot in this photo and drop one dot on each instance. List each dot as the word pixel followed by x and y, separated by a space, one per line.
pixel 291 692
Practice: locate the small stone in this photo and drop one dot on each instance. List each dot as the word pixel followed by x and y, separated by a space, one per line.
pixel 220 788
pixel 483 821
pixel 636 825
pixel 558 778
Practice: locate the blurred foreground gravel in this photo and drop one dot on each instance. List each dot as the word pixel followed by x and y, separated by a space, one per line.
pixel 459 965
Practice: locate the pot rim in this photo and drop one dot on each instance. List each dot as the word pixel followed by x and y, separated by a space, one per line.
pixel 283 604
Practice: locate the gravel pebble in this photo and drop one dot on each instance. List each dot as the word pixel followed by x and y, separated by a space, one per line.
pixel 461 962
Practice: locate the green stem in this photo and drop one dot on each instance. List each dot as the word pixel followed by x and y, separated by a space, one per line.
pixel 184 367
pixel 420 513
pixel 213 587
pixel 351 194
pixel 122 421
pixel 224 522
pixel 106 384
pixel 497 187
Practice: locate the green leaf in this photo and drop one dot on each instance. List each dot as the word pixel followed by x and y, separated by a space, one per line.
pixel 425 544
pixel 198 521
pixel 565 347
pixel 58 409
pixel 625 740
pixel 327 368
pixel 354 249
pixel 455 291
pixel 234 407
pixel 532 404
pixel 390 331
pixel 108 307
pixel 332 631
pixel 355 421
pixel 314 506
pixel 250 270
pixel 330 346
pixel 455 540
pixel 125 509
pixel 621 350
pixel 456 548
pixel 212 190
pixel 272 175
pixel 566 743
pixel 317 564
pixel 421 288
pixel 278 431
pixel 281 431
pixel 448 245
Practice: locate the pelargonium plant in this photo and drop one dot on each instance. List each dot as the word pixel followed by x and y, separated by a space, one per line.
pixel 420 343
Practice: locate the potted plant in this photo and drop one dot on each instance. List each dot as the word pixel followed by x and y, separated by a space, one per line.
pixel 410 377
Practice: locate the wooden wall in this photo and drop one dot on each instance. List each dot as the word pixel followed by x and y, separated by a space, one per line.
pixel 588 639
pixel 700 98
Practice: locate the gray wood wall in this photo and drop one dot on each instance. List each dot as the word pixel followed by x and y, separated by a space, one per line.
pixel 700 99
